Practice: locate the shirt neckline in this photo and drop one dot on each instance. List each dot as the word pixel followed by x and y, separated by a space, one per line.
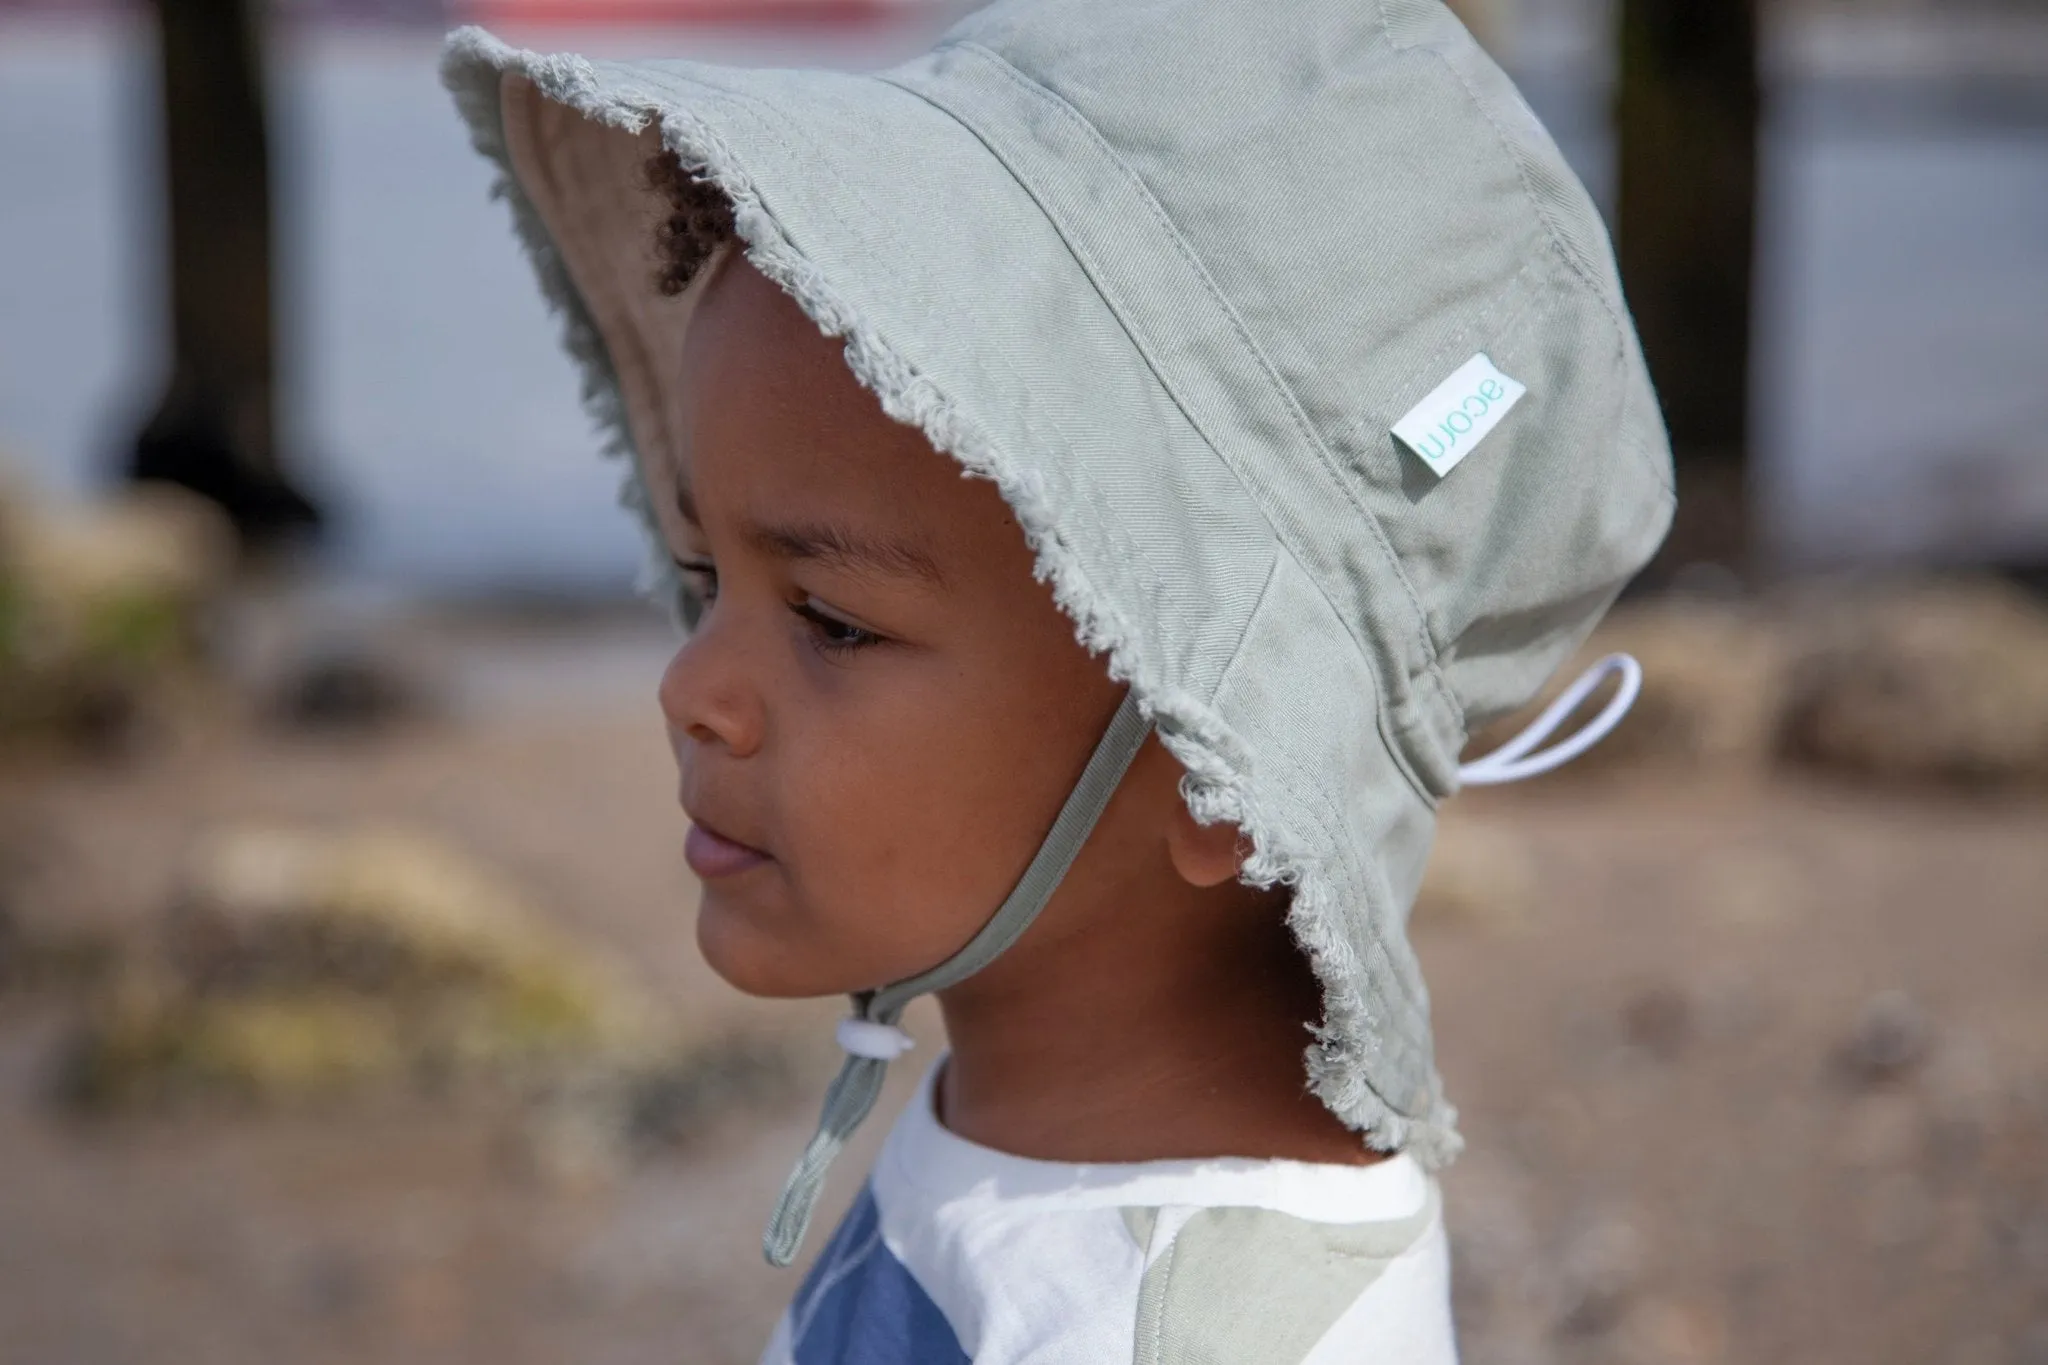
pixel 922 1154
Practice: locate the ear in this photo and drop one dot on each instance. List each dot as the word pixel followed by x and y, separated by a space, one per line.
pixel 1204 855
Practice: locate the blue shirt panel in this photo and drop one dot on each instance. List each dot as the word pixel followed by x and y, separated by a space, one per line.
pixel 861 1306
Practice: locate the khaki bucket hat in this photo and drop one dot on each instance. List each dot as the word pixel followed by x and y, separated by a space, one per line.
pixel 1285 330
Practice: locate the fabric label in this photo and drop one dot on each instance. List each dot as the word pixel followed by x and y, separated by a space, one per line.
pixel 1443 428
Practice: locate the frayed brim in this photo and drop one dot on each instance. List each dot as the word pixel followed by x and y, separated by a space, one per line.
pixel 973 318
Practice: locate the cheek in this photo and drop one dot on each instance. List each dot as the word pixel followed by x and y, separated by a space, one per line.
pixel 902 819
pixel 909 844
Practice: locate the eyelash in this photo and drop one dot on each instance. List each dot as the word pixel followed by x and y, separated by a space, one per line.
pixel 700 579
pixel 832 635
pixel 829 634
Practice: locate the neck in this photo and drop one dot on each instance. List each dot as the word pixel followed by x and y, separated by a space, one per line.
pixel 1101 1046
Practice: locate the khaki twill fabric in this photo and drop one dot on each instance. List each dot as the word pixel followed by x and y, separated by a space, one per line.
pixel 1169 271
pixel 1300 1276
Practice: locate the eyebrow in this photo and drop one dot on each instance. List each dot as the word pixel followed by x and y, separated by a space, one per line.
pixel 830 543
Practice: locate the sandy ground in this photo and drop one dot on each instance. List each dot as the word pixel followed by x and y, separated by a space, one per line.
pixel 1749 1072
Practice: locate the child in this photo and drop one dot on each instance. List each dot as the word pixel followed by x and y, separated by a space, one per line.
pixel 1310 433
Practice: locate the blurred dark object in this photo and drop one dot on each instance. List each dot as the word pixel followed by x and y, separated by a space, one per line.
pixel 348 691
pixel 44 944
pixel 299 963
pixel 1686 124
pixel 107 614
pixel 669 1103
pixel 214 429
pixel 424 13
pixel 1659 1020
pixel 1942 683
pixel 1892 1038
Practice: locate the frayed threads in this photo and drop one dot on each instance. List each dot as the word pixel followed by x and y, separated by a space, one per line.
pixel 1219 785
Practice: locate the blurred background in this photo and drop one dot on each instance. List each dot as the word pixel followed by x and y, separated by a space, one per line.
pixel 348 1002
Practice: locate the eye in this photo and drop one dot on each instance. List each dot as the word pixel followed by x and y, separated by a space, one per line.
pixel 695 587
pixel 700 577
pixel 834 634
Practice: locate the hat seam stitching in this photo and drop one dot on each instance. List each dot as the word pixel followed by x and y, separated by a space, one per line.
pixel 1330 1044
pixel 1518 290
pixel 1660 470
pixel 1480 331
pixel 1094 275
pixel 741 104
pixel 1097 277
pixel 1190 714
pixel 767 117
pixel 1402 998
pixel 1296 417
pixel 1515 158
pixel 1568 257
pixel 1395 1122
pixel 1631 398
pixel 583 87
pixel 1327 822
pixel 1222 772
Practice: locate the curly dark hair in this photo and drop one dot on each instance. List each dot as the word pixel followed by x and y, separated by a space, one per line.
pixel 700 217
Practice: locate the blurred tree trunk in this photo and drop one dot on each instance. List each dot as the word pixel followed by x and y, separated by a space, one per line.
pixel 1686 118
pixel 214 429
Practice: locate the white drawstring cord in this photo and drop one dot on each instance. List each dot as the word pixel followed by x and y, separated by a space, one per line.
pixel 879 1042
pixel 1513 761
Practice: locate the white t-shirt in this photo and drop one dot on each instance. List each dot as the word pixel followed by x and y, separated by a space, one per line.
pixel 955 1252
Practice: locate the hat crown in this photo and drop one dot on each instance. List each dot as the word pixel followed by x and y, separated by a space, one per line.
pixel 1375 205
pixel 1172 272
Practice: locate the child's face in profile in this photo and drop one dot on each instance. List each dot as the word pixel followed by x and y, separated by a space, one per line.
pixel 880 711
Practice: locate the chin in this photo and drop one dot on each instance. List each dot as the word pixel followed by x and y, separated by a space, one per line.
pixel 753 960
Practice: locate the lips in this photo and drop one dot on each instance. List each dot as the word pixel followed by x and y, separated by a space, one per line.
pixel 712 855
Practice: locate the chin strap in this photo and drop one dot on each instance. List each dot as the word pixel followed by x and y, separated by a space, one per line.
pixel 871 1038
pixel 1513 761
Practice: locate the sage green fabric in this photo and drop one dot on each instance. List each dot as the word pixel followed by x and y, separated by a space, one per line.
pixel 1196 1304
pixel 1168 271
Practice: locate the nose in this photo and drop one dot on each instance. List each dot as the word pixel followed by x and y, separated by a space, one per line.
pixel 706 696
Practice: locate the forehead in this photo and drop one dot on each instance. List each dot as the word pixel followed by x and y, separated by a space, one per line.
pixel 773 422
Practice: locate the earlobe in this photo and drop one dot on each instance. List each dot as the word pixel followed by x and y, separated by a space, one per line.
pixel 1204 855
